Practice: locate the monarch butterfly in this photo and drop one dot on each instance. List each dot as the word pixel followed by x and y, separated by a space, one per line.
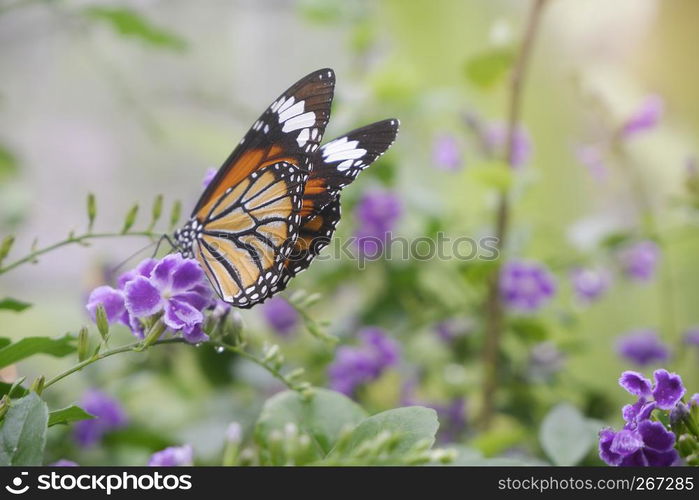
pixel 274 203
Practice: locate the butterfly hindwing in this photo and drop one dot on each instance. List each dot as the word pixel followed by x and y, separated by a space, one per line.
pixel 337 163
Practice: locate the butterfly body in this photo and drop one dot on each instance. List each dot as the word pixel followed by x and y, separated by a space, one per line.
pixel 274 204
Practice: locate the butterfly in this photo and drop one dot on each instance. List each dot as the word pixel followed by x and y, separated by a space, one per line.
pixel 275 202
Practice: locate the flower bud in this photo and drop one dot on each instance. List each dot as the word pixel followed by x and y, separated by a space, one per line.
pixel 157 210
pixel 130 219
pixel 4 405
pixel 91 211
pixel 38 385
pixel 102 322
pixel 175 213
pixel 5 247
pixel 83 344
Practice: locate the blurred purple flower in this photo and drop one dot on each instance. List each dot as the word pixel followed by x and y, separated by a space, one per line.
pixel 589 284
pixel 108 415
pixel 694 400
pixel 452 414
pixel 446 154
pixel 526 285
pixel 691 336
pixel 208 177
pixel 545 360
pixel 649 445
pixel 64 463
pixel 639 261
pixel 496 142
pixel 377 213
pixel 666 391
pixel 173 456
pixel 280 316
pixel 592 157
pixel 645 118
pixel 354 366
pixel 642 347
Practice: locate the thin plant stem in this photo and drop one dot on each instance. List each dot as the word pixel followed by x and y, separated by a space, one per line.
pixel 70 240
pixel 494 314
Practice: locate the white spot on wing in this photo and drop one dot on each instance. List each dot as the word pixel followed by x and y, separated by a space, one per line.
pixel 302 121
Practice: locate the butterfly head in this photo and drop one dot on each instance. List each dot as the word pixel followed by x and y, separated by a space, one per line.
pixel 186 236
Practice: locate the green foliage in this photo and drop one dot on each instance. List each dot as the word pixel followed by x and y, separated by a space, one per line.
pixel 29 346
pixel 567 436
pixel 9 164
pixel 488 68
pixel 128 23
pixel 23 432
pixel 68 415
pixel 10 304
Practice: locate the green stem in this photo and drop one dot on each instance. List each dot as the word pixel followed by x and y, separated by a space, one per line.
pixel 271 369
pixel 133 347
pixel 494 314
pixel 70 241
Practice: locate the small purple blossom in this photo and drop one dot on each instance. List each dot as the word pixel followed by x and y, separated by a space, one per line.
pixel 173 456
pixel 645 118
pixel 666 390
pixel 281 316
pixel 691 336
pixel 639 261
pixel 64 463
pixel 496 140
pixel 592 157
pixel 208 177
pixel 446 154
pixel 589 284
pixel 526 285
pixel 354 366
pixel 648 445
pixel 377 213
pixel 694 400
pixel 108 415
pixel 642 347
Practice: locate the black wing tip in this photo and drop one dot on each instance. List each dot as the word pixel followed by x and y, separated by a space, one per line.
pixel 324 74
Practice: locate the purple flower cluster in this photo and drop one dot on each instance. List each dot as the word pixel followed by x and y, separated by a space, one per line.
pixel 446 154
pixel 645 118
pixel 639 261
pixel 173 287
pixel 354 366
pixel 495 138
pixel 280 316
pixel 589 284
pixel 642 441
pixel 174 456
pixel 643 348
pixel 525 285
pixel 108 415
pixel 377 213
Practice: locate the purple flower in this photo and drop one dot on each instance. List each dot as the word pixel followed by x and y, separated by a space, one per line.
pixel 174 456
pixel 108 415
pixel 589 284
pixel 354 366
pixel 645 118
pixel 377 213
pixel 176 288
pixel 642 347
pixel 648 445
pixel 526 285
pixel 208 177
pixel 452 414
pixel 592 157
pixel 694 400
pixel 639 261
pixel 446 153
pixel 113 302
pixel 691 336
pixel 280 316
pixel 64 463
pixel 666 391
pixel 496 141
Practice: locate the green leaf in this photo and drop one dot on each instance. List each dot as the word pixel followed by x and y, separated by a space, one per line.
pixel 323 416
pixel 488 68
pixel 8 163
pixel 18 391
pixel 413 424
pixel 23 432
pixel 13 304
pixel 67 415
pixel 566 435
pixel 529 329
pixel 29 346
pixel 129 23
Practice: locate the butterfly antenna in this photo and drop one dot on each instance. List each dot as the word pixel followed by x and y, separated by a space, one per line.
pixel 123 262
pixel 165 237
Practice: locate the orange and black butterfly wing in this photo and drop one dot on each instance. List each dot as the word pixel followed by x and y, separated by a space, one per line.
pixel 314 235
pixel 337 163
pixel 247 220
